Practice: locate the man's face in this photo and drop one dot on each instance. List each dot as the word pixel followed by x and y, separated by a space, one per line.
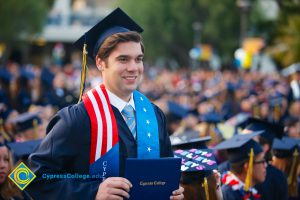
pixel 122 71
pixel 259 168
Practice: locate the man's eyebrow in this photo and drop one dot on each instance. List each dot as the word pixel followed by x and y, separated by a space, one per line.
pixel 121 56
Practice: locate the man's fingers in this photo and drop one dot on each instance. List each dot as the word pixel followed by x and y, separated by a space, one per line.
pixel 121 179
pixel 120 183
pixel 178 197
pixel 179 191
pixel 178 194
pixel 118 193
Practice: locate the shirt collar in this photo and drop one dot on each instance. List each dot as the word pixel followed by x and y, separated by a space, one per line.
pixel 118 102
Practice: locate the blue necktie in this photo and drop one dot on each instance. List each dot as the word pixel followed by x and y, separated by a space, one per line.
pixel 129 115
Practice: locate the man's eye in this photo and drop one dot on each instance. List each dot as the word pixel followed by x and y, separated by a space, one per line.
pixel 139 59
pixel 123 59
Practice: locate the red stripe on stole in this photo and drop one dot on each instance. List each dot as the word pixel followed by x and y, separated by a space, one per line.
pixel 104 122
pixel 94 127
pixel 115 136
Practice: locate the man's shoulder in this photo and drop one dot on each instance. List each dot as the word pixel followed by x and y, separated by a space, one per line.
pixel 73 112
pixel 229 193
pixel 275 173
pixel 68 117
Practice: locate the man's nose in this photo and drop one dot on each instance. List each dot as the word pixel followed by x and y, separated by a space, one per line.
pixel 133 66
pixel 2 164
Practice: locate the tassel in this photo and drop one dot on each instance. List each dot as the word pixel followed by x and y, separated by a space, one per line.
pixel 83 72
pixel 292 179
pixel 248 181
pixel 3 132
pixel 205 185
pixel 256 111
pixel 35 128
pixel 277 113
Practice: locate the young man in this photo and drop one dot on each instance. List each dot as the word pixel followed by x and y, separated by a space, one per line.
pixel 113 122
pixel 247 167
pixel 275 179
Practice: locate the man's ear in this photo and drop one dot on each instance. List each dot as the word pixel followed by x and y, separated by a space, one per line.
pixel 245 166
pixel 100 63
pixel 266 147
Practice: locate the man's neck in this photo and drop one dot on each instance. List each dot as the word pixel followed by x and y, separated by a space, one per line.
pixel 242 177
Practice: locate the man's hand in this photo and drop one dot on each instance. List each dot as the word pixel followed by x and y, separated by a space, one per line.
pixel 178 194
pixel 114 188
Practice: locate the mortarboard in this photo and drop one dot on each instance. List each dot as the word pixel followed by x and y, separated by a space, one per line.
pixel 238 147
pixel 291 69
pixel 116 22
pixel 194 160
pixel 197 165
pixel 211 117
pixel 23 149
pixel 189 141
pixel 285 147
pixel 239 120
pixel 26 121
pixel 290 121
pixel 47 77
pixel 26 74
pixel 5 75
pixel 177 109
pixel 271 130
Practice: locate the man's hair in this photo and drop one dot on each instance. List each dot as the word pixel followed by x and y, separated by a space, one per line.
pixel 112 41
pixel 237 167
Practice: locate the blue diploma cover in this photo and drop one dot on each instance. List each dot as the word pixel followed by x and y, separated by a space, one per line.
pixel 153 178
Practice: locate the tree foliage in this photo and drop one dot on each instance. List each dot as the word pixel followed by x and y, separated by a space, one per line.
pixel 20 19
pixel 169 30
pixel 286 48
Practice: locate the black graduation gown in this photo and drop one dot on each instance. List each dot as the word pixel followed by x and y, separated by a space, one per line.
pixel 66 149
pixel 229 194
pixel 275 186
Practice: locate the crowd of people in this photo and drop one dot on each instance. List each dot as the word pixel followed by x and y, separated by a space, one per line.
pixel 250 120
pixel 206 101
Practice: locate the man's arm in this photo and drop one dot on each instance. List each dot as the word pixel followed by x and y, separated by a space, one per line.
pixel 64 150
pixel 164 139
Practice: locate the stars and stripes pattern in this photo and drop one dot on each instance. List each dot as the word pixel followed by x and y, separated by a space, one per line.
pixel 104 131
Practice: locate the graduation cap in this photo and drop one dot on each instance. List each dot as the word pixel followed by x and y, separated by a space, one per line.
pixel 239 120
pixel 290 121
pixel 271 130
pixel 239 146
pixel 23 149
pixel 177 109
pixel 285 147
pixel 26 74
pixel 47 77
pixel 116 22
pixel 26 121
pixel 291 69
pixel 196 165
pixel 5 76
pixel 196 159
pixel 211 117
pixel 186 141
